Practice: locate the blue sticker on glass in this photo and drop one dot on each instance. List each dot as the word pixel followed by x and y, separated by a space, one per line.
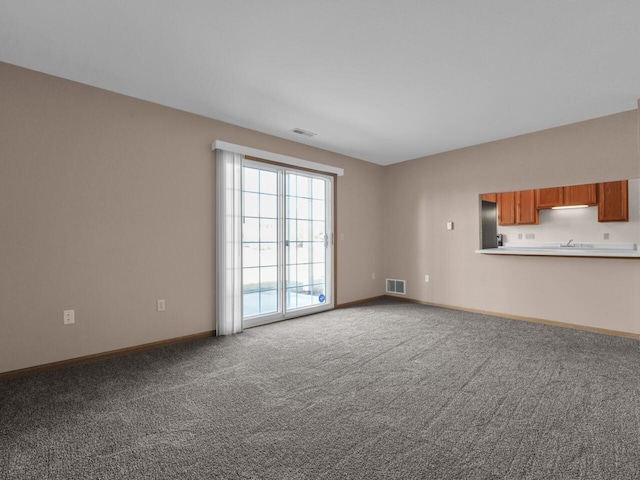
pixel 322 298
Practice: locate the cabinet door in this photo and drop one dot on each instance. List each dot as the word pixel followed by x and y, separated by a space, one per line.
pixel 613 201
pixel 507 208
pixel 526 211
pixel 550 197
pixel 580 195
pixel 490 197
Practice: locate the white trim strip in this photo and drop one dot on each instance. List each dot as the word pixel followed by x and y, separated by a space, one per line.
pixel 276 157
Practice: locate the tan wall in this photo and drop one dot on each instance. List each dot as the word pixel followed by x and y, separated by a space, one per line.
pixel 423 194
pixel 107 204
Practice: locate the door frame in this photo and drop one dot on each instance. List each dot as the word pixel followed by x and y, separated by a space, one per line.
pixel 332 197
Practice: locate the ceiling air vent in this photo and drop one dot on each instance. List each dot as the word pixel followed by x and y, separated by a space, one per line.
pixel 396 286
pixel 304 133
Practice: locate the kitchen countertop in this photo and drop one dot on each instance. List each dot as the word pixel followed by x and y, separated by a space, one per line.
pixel 628 250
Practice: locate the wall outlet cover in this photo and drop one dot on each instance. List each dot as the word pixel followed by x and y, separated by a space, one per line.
pixel 69 317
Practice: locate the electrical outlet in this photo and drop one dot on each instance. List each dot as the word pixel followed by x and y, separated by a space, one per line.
pixel 69 317
pixel 530 236
pixel 161 305
pixel 519 236
pixel 426 279
pixel 605 236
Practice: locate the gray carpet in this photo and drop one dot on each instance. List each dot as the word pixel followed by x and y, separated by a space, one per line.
pixel 385 390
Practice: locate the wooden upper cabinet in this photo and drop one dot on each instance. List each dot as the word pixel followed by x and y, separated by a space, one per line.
pixel 566 196
pixel 550 197
pixel 613 201
pixel 517 208
pixel 490 197
pixel 526 211
pixel 507 208
pixel 580 195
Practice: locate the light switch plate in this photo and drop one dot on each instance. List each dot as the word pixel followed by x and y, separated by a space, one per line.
pixel 449 225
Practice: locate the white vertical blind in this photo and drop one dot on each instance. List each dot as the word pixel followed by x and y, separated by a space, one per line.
pixel 228 242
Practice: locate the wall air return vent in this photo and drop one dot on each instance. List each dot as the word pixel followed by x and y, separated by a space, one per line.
pixel 396 286
pixel 304 133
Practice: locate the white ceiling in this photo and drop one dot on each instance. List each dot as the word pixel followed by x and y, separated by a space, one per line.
pixel 380 80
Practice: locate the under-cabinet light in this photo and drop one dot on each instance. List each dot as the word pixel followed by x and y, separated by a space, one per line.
pixel 569 206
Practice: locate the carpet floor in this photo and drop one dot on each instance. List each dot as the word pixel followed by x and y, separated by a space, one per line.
pixel 385 390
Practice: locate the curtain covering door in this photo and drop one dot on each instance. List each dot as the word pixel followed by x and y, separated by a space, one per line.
pixel 228 242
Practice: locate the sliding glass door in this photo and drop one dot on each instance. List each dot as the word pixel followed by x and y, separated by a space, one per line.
pixel 287 240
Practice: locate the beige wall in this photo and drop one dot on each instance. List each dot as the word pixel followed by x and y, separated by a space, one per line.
pixel 107 204
pixel 423 194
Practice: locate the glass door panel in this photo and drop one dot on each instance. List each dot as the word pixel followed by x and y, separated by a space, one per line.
pixel 260 258
pixel 306 241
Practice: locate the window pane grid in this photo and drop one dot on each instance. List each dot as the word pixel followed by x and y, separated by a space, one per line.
pixel 305 234
pixel 304 265
pixel 260 236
